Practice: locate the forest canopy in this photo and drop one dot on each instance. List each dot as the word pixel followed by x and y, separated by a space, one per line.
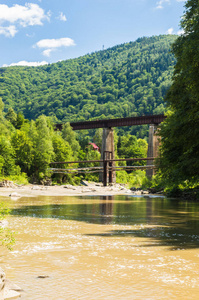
pixel 127 80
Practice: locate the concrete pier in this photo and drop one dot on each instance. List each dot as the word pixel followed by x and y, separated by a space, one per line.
pixel 153 146
pixel 108 147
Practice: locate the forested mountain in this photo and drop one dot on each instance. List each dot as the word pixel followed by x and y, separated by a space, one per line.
pixel 127 80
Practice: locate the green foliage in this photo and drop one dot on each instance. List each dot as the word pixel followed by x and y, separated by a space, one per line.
pixel 20 178
pixel 63 152
pixel 127 80
pixel 11 116
pixel 28 151
pixel 6 236
pixel 4 210
pixel 180 144
pixel 28 147
pixel 1 105
pixel 97 139
pixel 23 147
pixel 2 161
pixel 20 120
pixel 135 179
pixel 7 155
pixel 43 147
pixel 130 147
pixel 90 154
pixel 70 136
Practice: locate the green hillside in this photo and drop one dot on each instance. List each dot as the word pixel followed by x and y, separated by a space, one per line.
pixel 127 80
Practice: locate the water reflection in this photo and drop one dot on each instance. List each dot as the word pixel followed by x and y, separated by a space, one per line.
pixel 169 222
pixel 106 209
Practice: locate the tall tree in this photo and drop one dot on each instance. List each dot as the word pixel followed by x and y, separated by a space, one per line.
pixel 43 148
pixel 180 131
pixel 70 136
pixel 23 147
pixel 11 116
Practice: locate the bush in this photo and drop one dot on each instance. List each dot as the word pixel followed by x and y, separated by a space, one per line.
pixel 6 235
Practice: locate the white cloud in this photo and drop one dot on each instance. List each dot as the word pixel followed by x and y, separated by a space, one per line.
pixel 49 14
pixel 170 31
pixel 160 3
pixel 180 32
pixel 30 35
pixel 62 17
pixel 27 63
pixel 47 52
pixel 53 44
pixel 29 15
pixel 9 31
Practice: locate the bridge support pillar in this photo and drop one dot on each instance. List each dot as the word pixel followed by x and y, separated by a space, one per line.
pixel 152 149
pixel 108 151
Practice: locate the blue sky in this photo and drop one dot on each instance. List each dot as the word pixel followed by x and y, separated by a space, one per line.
pixel 46 31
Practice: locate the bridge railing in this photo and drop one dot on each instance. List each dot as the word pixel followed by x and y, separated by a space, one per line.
pixel 106 167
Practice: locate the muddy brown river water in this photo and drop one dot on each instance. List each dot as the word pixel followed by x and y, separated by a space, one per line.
pixel 119 247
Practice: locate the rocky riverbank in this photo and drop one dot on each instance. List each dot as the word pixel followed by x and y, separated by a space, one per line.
pixel 86 188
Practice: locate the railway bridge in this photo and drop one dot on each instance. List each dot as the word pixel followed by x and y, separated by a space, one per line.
pixel 107 148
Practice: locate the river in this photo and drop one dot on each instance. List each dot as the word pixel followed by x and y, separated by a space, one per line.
pixel 113 247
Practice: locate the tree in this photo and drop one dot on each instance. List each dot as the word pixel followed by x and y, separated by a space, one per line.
pixel 7 155
pixel 130 147
pixel 23 147
pixel 63 152
pixel 180 144
pixel 1 105
pixel 11 116
pixel 20 120
pixel 43 148
pixel 91 154
pixel 98 137
pixel 70 136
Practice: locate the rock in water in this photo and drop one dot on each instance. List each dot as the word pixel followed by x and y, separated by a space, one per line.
pixel 10 295
pixel 2 284
pixel 5 292
pixel 15 196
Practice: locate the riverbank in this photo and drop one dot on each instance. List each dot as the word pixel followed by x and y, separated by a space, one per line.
pixel 87 188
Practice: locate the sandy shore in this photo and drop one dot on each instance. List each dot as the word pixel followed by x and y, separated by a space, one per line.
pixel 64 190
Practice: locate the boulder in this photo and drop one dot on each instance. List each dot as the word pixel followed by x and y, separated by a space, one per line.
pixel 7 183
pixel 2 284
pixel 7 292
pixel 12 286
pixel 10 295
pixel 15 195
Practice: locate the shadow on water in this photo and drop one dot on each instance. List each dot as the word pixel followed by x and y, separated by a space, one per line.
pixel 165 222
pixel 175 238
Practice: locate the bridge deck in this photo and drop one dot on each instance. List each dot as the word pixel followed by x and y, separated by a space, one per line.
pixel 132 121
